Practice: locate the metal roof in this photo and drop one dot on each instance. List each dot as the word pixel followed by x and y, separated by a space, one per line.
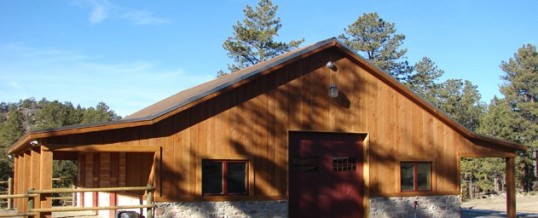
pixel 192 94
pixel 180 101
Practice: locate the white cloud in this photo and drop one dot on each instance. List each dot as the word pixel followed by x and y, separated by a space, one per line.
pixel 102 10
pixel 143 18
pixel 15 85
pixel 65 75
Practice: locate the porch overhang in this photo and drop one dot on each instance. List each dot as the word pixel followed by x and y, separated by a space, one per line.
pixel 101 148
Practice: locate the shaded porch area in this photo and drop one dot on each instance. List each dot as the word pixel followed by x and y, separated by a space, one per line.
pixel 109 180
pixel 484 150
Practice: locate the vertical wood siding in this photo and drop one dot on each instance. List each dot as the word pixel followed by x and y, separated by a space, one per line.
pixel 251 122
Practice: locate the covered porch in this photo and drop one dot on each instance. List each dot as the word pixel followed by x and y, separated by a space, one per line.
pixel 110 178
pixel 482 148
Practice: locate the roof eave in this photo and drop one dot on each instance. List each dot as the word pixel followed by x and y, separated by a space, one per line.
pixel 499 142
pixel 23 143
pixel 427 105
pixel 331 42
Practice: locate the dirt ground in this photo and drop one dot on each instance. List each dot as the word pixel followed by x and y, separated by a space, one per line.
pixel 527 204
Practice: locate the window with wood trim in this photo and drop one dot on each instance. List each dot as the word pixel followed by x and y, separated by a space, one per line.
pixel 415 176
pixel 344 164
pixel 224 177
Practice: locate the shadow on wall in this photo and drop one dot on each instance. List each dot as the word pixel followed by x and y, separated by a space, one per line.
pixel 259 115
pixel 296 98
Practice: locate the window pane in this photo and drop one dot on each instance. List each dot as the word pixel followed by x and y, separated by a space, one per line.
pixel 236 177
pixel 407 173
pixel 423 176
pixel 341 164
pixel 211 177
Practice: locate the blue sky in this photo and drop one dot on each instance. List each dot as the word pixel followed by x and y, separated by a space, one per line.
pixel 131 54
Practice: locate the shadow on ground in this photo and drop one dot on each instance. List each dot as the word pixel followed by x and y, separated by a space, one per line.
pixel 471 213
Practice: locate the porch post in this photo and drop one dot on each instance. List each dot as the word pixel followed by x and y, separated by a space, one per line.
pixel 511 187
pixel 34 179
pixel 45 179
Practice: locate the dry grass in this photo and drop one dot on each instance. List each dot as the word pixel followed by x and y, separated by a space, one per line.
pixel 528 204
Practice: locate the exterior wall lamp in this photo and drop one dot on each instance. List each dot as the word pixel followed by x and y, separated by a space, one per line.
pixel 333 89
pixel 331 66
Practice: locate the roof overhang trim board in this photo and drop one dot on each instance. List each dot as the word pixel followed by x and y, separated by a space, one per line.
pixel 195 95
pixel 130 121
pixel 425 104
pixel 104 148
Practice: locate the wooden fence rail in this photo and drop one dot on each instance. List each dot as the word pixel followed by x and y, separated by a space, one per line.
pixel 6 188
pixel 17 215
pixel 17 196
pixel 9 190
pixel 11 197
pixel 63 199
pixel 112 189
pixel 32 195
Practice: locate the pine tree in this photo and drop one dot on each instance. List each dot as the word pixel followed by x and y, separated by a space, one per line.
pixel 498 120
pixel 376 39
pixel 56 114
pixel 101 113
pixel 11 130
pixel 423 81
pixel 252 41
pixel 461 101
pixel 18 118
pixel 520 89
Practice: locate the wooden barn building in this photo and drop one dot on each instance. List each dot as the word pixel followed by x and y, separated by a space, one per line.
pixel 316 132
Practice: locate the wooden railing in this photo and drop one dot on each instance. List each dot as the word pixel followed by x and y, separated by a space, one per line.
pixel 6 188
pixel 11 197
pixel 64 199
pixel 8 202
pixel 33 194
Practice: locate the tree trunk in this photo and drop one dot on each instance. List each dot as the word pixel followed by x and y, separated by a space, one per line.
pixel 471 191
pixel 496 183
pixel 503 183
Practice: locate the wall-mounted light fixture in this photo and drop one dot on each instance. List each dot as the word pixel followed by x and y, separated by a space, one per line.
pixel 10 156
pixel 333 89
pixel 34 143
pixel 331 66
